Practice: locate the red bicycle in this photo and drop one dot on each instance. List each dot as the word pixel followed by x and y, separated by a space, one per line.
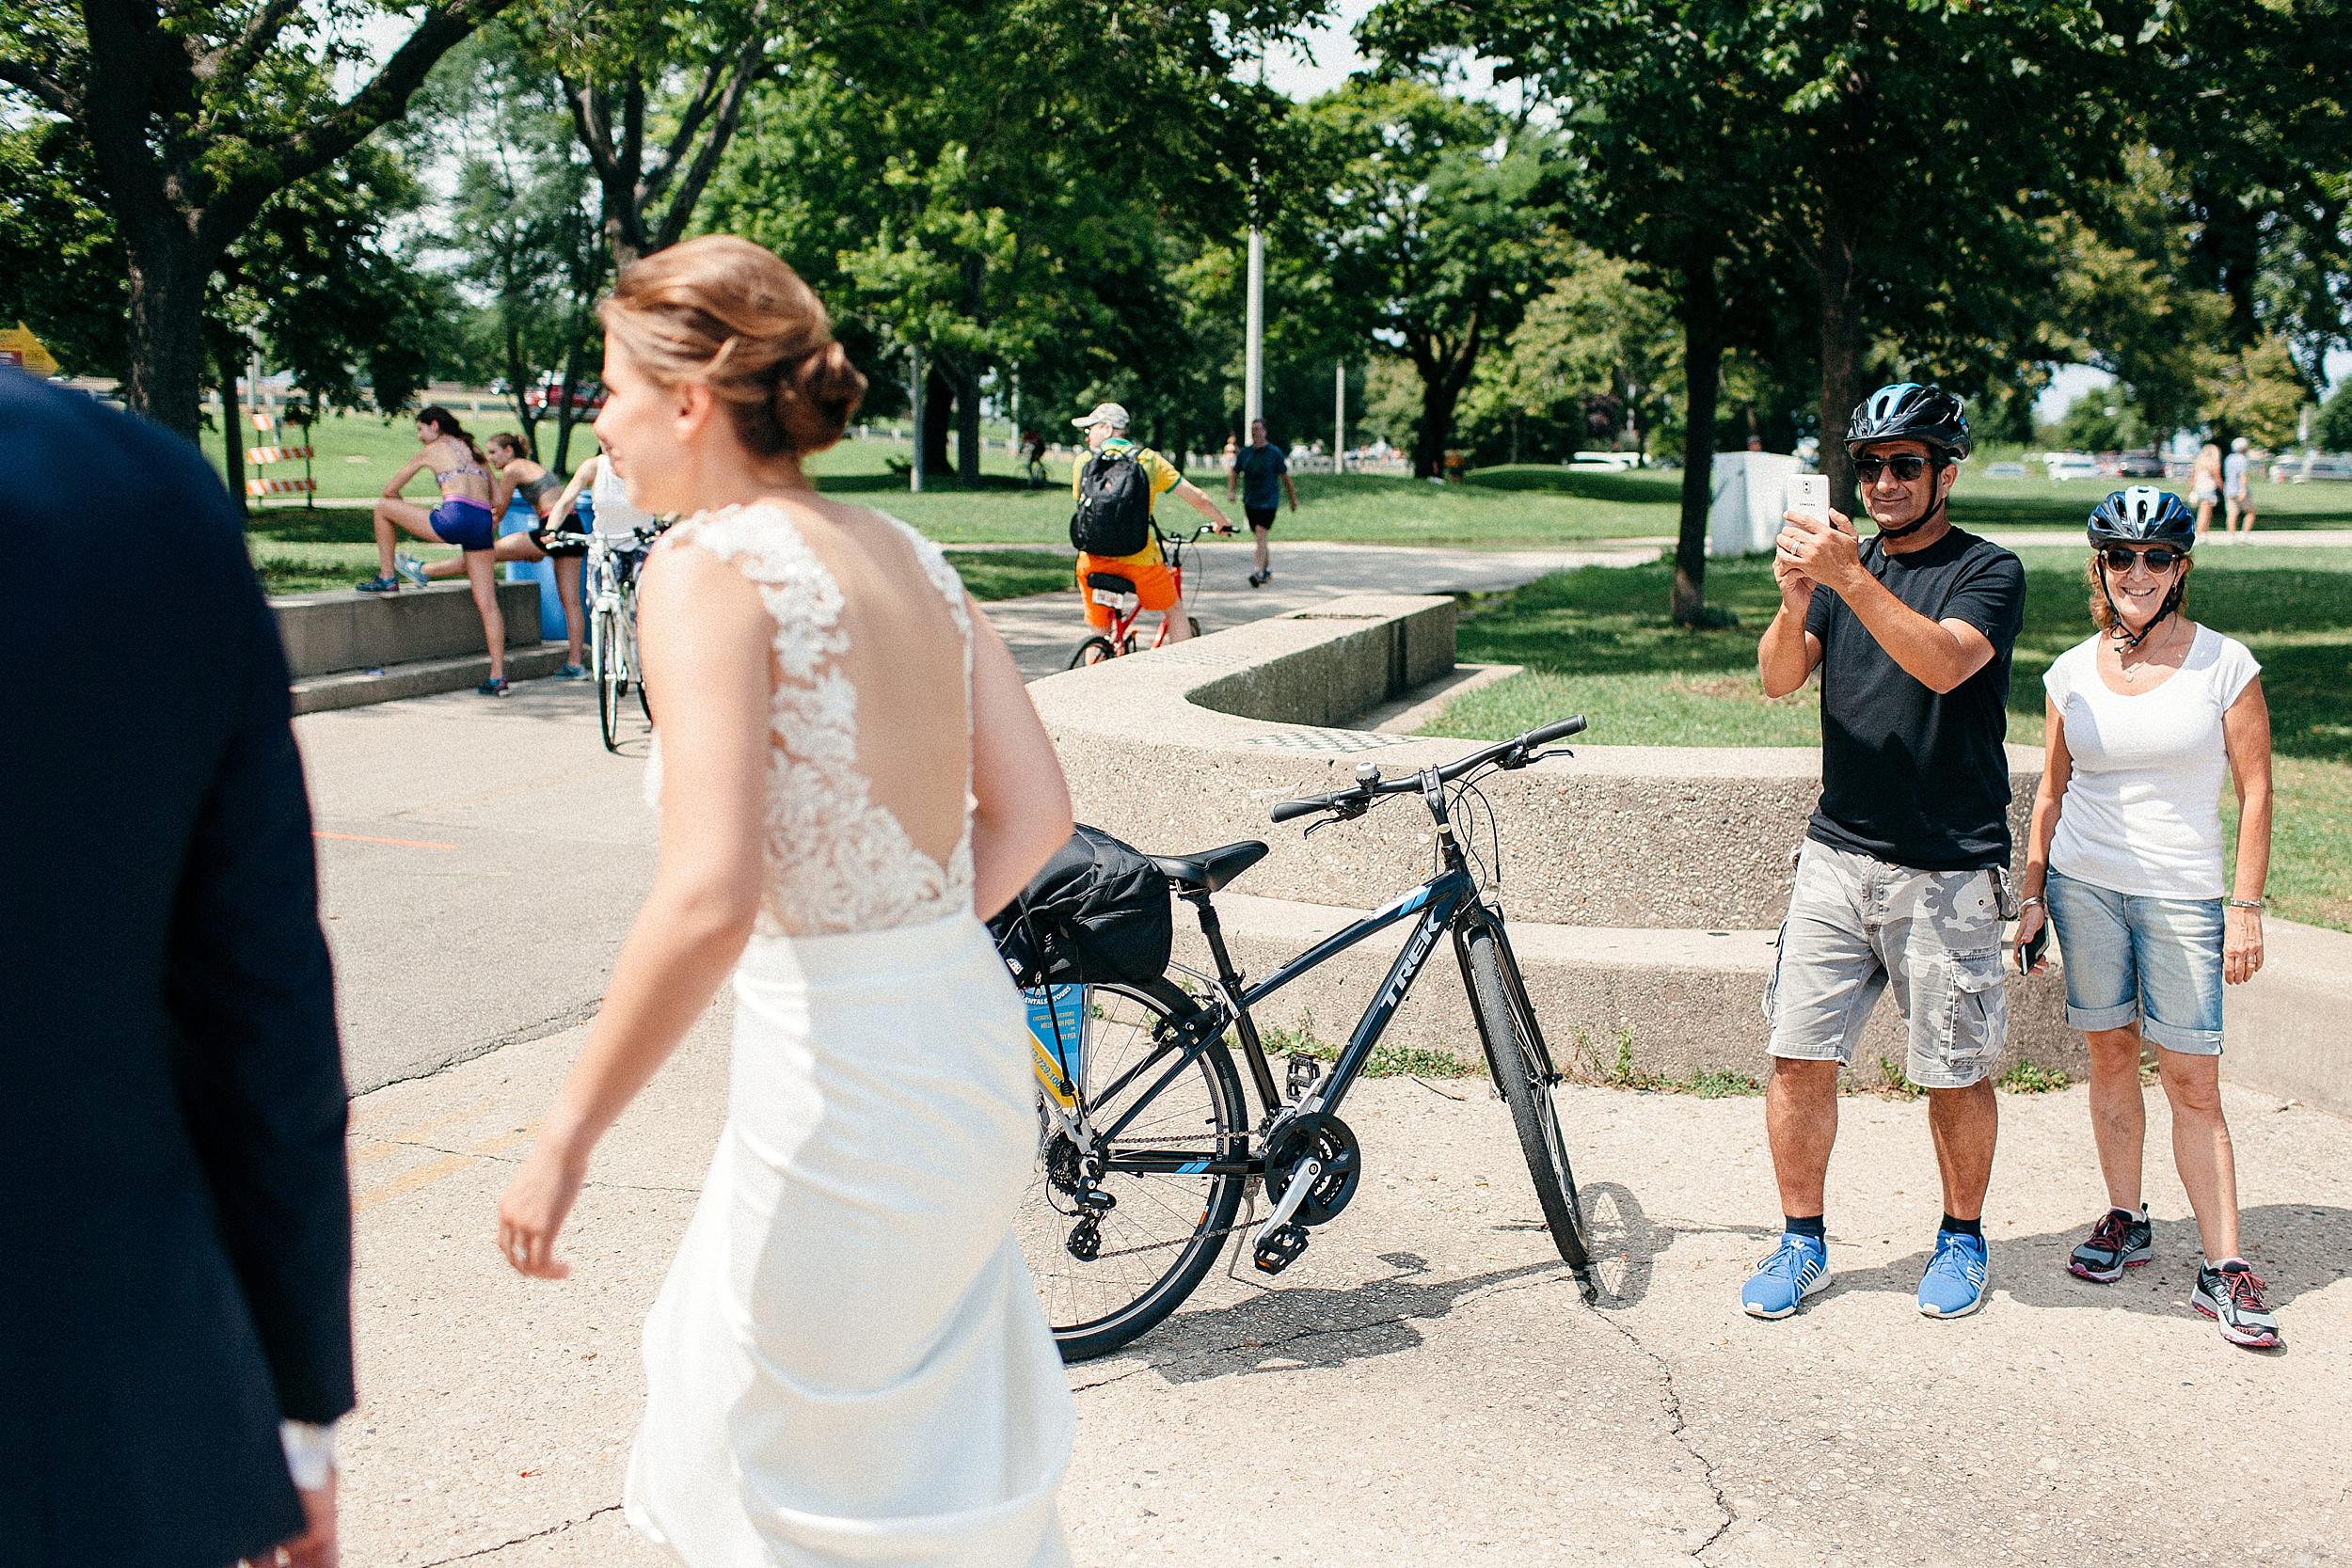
pixel 1117 594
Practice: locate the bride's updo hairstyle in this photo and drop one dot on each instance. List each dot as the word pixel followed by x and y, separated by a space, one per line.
pixel 727 313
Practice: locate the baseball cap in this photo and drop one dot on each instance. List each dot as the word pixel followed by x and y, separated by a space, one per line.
pixel 1110 414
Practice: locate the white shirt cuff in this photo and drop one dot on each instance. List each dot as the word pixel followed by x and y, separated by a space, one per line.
pixel 310 1452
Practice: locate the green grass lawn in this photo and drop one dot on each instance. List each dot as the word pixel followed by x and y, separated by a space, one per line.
pixel 1597 641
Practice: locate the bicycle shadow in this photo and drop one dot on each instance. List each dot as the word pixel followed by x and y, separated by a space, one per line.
pixel 2296 1248
pixel 1317 1328
pixel 1623 1240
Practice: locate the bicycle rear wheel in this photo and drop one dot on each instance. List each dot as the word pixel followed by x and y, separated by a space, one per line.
pixel 1093 650
pixel 606 655
pixel 1105 1281
pixel 1521 1068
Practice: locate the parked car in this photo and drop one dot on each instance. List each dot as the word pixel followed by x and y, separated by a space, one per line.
pixel 2143 464
pixel 2006 471
pixel 2295 468
pixel 2070 465
pixel 587 397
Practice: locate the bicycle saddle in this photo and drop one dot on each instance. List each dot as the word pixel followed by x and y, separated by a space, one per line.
pixel 1211 869
pixel 1110 582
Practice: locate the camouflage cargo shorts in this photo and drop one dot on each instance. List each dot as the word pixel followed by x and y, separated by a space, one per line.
pixel 1858 926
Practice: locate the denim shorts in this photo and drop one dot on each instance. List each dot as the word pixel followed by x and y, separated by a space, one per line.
pixel 2132 959
pixel 1858 928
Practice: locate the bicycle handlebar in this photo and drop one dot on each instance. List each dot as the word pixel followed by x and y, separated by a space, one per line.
pixel 1512 753
pixel 568 536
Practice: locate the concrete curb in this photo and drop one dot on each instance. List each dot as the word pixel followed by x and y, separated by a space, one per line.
pixel 420 678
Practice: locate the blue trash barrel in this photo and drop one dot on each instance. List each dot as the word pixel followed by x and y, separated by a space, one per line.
pixel 520 518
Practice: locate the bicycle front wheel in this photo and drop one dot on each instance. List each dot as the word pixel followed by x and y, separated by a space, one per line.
pixel 1522 1072
pixel 1118 1233
pixel 637 664
pixel 605 633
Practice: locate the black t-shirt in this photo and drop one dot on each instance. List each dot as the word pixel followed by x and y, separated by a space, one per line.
pixel 1907 776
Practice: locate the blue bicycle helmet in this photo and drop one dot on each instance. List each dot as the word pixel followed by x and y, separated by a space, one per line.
pixel 2143 515
pixel 1906 411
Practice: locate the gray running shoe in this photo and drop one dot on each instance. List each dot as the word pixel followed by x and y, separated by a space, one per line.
pixel 2232 1296
pixel 2117 1242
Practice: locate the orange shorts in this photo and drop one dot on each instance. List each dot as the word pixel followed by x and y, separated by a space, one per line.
pixel 1155 585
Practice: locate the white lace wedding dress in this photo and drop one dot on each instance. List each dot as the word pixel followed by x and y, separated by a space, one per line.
pixel 847 1363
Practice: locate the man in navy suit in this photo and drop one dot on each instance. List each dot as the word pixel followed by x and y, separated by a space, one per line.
pixel 175 1214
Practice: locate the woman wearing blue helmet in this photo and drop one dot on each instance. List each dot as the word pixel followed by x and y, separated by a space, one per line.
pixel 2143 721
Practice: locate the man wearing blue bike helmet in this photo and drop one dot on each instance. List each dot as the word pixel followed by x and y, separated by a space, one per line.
pixel 1902 883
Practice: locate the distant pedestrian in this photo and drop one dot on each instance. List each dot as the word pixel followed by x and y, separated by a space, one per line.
pixel 1120 467
pixel 175 1327
pixel 1902 880
pixel 538 489
pixel 2142 723
pixel 471 498
pixel 1033 459
pixel 2204 487
pixel 2237 487
pixel 1263 474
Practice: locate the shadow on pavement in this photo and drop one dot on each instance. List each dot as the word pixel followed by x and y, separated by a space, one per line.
pixel 1312 1327
pixel 2296 1247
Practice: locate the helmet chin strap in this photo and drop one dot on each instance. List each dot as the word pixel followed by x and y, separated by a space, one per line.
pixel 2132 640
pixel 1935 480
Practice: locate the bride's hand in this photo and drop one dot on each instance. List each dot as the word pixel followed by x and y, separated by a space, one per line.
pixel 535 1206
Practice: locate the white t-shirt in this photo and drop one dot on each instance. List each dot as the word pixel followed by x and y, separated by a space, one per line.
pixel 2142 810
pixel 615 512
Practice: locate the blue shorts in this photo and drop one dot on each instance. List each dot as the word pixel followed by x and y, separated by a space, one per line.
pixel 467 524
pixel 2132 959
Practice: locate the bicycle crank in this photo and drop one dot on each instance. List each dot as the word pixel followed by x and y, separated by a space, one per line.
pixel 1327 1144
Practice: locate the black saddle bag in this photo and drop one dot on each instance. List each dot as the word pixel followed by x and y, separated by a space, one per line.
pixel 1099 913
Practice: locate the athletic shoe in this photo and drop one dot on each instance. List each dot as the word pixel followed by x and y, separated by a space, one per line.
pixel 1796 1269
pixel 2118 1242
pixel 378 585
pixel 2232 1296
pixel 411 568
pixel 1954 1283
pixel 494 687
pixel 571 673
pixel 1258 579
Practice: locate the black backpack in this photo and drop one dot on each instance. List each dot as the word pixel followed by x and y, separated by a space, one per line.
pixel 1097 913
pixel 1114 515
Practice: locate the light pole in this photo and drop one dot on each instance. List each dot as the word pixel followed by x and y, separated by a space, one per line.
pixel 1339 418
pixel 1253 363
pixel 914 472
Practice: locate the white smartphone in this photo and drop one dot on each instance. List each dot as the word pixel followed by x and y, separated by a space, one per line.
pixel 1807 495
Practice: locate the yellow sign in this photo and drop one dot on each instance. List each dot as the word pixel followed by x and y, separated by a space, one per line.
pixel 20 348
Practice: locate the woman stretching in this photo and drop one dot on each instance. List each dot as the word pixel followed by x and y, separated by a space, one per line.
pixel 537 488
pixel 471 498
pixel 2143 722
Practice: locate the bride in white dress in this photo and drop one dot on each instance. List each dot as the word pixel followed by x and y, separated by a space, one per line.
pixel 847 1363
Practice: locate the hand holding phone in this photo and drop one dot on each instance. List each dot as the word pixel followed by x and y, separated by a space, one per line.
pixel 2032 946
pixel 1807 496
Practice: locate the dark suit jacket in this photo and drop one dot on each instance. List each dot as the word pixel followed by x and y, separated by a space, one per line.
pixel 175 1215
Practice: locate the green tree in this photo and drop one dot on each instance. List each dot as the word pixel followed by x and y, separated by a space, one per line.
pixel 1433 222
pixel 196 115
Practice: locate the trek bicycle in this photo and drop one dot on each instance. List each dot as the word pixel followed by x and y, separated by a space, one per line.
pixel 1117 594
pixel 1145 1145
pixel 613 564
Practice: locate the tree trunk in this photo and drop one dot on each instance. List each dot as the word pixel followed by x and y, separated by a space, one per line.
pixel 227 355
pixel 1841 368
pixel 566 416
pixel 1439 396
pixel 1703 359
pixel 518 375
pixel 967 383
pixel 939 393
pixel 167 274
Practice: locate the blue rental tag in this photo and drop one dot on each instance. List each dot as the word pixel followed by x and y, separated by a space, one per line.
pixel 1058 1017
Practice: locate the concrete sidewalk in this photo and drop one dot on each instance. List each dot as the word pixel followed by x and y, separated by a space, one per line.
pixel 1425 1388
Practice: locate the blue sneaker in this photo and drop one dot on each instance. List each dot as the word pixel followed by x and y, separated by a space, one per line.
pixel 411 567
pixel 1798 1268
pixel 1957 1276
pixel 378 585
pixel 570 672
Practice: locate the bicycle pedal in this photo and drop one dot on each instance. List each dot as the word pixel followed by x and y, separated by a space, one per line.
pixel 1281 1249
pixel 1305 1073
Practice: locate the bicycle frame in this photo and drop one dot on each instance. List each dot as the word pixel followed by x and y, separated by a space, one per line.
pixel 1124 621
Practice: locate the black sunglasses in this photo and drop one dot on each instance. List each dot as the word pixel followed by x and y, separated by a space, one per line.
pixel 2120 558
pixel 1907 466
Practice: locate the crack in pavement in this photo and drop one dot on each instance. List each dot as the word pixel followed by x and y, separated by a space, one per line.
pixel 533 1535
pixel 1671 1397
pixel 1315 1332
pixel 554 1023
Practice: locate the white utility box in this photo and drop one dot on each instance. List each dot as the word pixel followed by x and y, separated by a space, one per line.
pixel 1744 516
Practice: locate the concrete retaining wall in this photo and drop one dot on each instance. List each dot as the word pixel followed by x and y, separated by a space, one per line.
pixel 326 633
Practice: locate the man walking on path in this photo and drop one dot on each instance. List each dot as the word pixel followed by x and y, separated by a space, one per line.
pixel 1902 883
pixel 175 1332
pixel 1156 589
pixel 2237 488
pixel 1256 469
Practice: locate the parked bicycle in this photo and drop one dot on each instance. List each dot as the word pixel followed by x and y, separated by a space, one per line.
pixel 613 562
pixel 1145 1143
pixel 1117 594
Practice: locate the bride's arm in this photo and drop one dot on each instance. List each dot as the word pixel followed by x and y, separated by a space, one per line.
pixel 1022 810
pixel 706 642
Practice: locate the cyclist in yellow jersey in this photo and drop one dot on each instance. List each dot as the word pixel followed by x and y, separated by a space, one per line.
pixel 1156 589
